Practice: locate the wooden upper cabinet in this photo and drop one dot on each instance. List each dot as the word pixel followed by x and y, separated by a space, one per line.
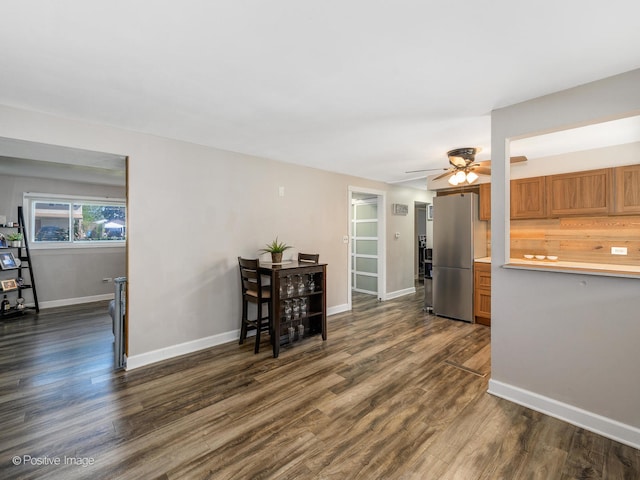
pixel 580 193
pixel 528 198
pixel 627 191
pixel 485 201
pixel 605 191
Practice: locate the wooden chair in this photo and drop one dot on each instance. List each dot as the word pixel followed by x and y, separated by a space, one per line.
pixel 308 257
pixel 253 291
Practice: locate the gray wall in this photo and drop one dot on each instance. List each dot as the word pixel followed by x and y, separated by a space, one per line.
pixel 564 343
pixel 66 275
pixel 193 209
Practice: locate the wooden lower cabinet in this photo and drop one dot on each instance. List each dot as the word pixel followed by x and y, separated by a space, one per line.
pixel 482 293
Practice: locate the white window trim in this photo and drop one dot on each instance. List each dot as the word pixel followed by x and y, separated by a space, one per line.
pixel 29 197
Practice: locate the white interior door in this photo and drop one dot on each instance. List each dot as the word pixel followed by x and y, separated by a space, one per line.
pixel 364 245
pixel 367 251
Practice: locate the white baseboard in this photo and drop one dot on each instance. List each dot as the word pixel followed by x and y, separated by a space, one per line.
pixel 607 427
pixel 76 301
pixel 137 361
pixel 147 358
pixel 368 292
pixel 400 293
pixel 338 309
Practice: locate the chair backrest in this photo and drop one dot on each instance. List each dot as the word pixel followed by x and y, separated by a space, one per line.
pixel 308 257
pixel 250 279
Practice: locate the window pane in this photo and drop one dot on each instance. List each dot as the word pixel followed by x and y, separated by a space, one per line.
pixel 367 229
pixel 366 247
pixel 51 222
pixel 98 222
pixel 366 211
pixel 364 282
pixel 369 265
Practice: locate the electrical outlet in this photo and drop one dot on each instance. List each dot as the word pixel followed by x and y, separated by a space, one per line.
pixel 618 250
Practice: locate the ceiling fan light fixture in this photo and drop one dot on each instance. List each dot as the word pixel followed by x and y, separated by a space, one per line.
pixel 460 176
pixel 453 180
pixel 471 177
pixel 466 153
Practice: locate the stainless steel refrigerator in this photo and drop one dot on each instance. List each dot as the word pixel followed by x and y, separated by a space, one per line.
pixel 459 236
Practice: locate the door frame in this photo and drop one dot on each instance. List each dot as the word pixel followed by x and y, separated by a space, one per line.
pixel 51 152
pixel 382 250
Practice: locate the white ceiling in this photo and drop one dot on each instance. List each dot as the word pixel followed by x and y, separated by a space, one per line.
pixel 362 87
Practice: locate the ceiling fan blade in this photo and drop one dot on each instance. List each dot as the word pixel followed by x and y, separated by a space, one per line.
pixel 426 170
pixel 482 170
pixel 443 175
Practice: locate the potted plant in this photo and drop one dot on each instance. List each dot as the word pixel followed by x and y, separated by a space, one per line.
pixel 15 239
pixel 276 249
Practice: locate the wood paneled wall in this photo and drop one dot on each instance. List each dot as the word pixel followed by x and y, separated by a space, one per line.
pixel 579 239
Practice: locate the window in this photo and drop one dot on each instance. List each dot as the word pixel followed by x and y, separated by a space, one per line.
pixel 73 221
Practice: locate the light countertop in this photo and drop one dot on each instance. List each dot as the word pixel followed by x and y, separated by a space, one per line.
pixel 575 267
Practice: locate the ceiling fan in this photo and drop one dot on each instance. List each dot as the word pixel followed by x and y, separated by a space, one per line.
pixel 464 168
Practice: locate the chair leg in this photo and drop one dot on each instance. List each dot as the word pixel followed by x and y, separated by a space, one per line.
pixel 256 349
pixel 243 328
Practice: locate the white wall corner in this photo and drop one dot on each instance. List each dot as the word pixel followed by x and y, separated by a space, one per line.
pixel 338 309
pixel 400 293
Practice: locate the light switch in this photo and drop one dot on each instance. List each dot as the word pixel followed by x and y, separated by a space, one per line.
pixel 345 239
pixel 281 191
pixel 618 250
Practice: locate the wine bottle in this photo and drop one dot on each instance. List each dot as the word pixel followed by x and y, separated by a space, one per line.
pixel 6 306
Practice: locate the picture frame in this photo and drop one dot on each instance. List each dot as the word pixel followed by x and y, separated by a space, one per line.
pixel 9 285
pixel 400 209
pixel 7 261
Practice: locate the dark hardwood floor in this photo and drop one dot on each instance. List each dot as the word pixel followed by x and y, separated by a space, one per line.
pixel 393 393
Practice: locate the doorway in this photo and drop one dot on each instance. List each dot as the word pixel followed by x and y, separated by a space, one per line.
pixel 367 252
pixel 420 241
pixel 84 272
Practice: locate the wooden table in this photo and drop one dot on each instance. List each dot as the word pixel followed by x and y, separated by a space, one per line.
pixel 315 320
